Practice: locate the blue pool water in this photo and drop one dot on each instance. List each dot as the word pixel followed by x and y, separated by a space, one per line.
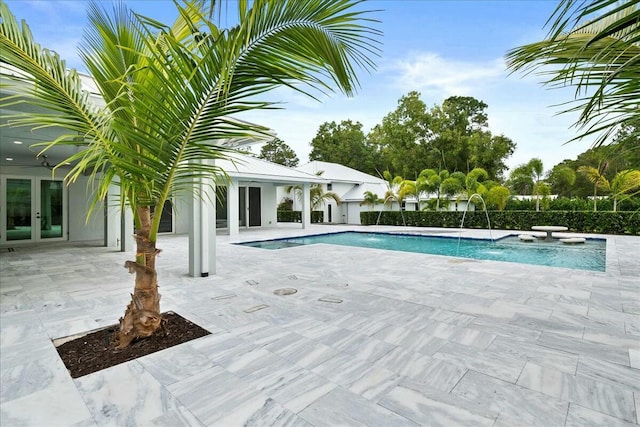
pixel 587 256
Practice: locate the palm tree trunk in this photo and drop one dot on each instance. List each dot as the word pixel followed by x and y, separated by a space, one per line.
pixel 142 316
pixel 595 197
pixel 615 204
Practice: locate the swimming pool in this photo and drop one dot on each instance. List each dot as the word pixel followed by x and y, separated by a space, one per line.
pixel 588 256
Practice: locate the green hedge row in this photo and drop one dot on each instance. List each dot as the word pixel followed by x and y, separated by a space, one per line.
pixel 576 221
pixel 296 216
pixel 577 204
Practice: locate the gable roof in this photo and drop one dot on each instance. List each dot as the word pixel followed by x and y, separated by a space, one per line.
pixel 335 172
pixel 249 168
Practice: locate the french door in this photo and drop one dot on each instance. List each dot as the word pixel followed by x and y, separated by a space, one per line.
pixel 32 209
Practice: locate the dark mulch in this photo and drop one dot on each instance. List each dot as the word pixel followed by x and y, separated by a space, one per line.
pixel 95 351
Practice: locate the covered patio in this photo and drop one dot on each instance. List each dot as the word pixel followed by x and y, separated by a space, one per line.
pixel 416 339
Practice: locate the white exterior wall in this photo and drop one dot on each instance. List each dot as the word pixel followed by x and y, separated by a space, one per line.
pixel 181 214
pixel 269 205
pixel 80 228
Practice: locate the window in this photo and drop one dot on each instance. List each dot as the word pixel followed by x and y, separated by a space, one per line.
pixel 329 187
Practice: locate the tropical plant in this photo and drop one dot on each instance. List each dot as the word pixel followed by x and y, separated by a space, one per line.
pixel 498 196
pixel 452 185
pixel 527 178
pixel 624 185
pixel 169 91
pixel 473 182
pixel 371 199
pixel 428 182
pixel 317 196
pixel 397 191
pixel 597 178
pixel 593 46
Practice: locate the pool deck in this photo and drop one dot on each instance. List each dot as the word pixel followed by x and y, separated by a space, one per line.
pixel 417 339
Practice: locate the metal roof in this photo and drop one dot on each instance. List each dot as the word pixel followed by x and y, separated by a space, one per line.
pixel 335 172
pixel 249 168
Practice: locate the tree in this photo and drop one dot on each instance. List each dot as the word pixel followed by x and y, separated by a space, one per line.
pixel 528 178
pixel 624 185
pixel 397 191
pixel 371 199
pixel 473 182
pixel 345 144
pixel 171 90
pixel 277 151
pixel 498 197
pixel 597 178
pixel 428 182
pixel 453 185
pixel 593 46
pixel 561 178
pixel 400 137
pixel 540 188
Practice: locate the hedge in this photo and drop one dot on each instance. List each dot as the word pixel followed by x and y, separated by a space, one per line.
pixel 577 221
pixel 575 204
pixel 296 216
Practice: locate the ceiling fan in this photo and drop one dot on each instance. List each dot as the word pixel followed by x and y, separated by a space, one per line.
pixel 45 162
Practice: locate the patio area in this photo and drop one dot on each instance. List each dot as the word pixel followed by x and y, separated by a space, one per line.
pixel 417 339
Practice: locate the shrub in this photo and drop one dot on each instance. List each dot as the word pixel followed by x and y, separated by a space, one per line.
pixel 296 216
pixel 289 216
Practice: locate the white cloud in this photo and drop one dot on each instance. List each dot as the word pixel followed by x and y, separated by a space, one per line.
pixel 429 71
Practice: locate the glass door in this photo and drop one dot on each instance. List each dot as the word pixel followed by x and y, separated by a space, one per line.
pixel 18 209
pixel 32 209
pixel 49 212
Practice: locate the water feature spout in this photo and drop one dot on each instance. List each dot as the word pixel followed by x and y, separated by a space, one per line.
pixel 465 213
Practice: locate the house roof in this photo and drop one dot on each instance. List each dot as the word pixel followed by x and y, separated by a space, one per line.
pixel 356 194
pixel 335 172
pixel 249 168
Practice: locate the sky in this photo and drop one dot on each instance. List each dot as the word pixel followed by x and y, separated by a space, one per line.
pixel 438 48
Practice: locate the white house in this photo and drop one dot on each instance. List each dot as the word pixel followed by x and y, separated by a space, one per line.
pixel 351 185
pixel 36 206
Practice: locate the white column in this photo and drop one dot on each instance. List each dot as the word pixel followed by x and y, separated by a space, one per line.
pixel 233 207
pixel 306 205
pixel 126 230
pixel 112 236
pixel 202 232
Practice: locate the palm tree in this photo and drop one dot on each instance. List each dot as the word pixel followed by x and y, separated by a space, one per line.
pixel 597 178
pixel 529 175
pixel 397 191
pixel 428 182
pixel 539 188
pixel 498 196
pixel 170 92
pixel 453 185
pixel 599 56
pixel 317 196
pixel 371 199
pixel 624 184
pixel 473 182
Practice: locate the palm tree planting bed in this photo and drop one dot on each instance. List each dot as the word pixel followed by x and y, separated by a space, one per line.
pixel 96 351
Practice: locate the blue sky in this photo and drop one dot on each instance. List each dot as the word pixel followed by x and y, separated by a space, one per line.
pixel 438 48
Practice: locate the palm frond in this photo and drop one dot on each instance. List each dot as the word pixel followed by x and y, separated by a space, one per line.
pixel 599 56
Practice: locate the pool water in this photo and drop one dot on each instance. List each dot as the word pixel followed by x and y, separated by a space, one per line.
pixel 588 256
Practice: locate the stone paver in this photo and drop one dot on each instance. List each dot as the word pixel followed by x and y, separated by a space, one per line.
pixel 416 339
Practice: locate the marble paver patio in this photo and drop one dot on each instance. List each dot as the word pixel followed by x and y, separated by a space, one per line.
pixel 417 339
